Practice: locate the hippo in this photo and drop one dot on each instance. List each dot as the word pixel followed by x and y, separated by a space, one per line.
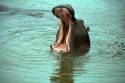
pixel 72 34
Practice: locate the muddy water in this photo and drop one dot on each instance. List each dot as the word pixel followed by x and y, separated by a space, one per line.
pixel 27 28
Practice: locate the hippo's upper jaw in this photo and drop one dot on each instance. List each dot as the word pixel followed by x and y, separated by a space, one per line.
pixel 72 33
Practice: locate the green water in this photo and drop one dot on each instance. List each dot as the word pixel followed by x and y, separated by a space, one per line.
pixel 27 28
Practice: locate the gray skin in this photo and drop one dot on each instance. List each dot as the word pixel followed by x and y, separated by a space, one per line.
pixel 72 32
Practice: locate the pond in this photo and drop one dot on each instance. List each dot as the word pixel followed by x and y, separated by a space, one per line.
pixel 28 27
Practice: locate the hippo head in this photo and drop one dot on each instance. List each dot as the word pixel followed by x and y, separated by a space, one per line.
pixel 66 15
pixel 71 34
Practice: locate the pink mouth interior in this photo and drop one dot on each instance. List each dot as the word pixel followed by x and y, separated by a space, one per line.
pixel 62 41
pixel 62 45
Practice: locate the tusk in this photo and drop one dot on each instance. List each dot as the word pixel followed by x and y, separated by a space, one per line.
pixel 69 35
pixel 60 35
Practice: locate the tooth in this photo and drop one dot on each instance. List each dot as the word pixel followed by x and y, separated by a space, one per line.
pixel 60 34
pixel 68 35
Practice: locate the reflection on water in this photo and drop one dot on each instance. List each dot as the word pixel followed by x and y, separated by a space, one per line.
pixel 65 72
pixel 68 65
pixel 27 28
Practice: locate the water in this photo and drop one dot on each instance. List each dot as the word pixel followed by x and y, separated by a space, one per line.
pixel 27 28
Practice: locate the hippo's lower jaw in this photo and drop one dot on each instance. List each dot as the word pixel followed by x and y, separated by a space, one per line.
pixel 61 48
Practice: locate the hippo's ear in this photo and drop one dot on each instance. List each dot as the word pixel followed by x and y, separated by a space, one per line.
pixel 81 22
pixel 87 29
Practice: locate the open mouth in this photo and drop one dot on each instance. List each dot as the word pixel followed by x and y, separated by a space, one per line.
pixel 63 36
pixel 62 43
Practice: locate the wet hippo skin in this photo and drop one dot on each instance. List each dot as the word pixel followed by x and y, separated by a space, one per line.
pixel 72 34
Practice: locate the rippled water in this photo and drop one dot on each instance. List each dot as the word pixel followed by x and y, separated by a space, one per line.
pixel 27 28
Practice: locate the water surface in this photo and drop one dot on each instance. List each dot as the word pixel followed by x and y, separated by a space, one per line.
pixel 27 28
